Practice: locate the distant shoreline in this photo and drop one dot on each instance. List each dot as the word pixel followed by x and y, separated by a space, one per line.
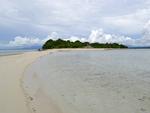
pixel 16 52
pixel 10 52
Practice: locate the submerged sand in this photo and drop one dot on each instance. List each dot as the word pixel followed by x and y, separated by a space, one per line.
pixel 65 82
pixel 26 94
pixel 12 97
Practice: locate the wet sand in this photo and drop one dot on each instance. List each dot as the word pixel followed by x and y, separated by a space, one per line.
pixel 12 95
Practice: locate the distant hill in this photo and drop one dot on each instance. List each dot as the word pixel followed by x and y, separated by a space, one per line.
pixel 50 44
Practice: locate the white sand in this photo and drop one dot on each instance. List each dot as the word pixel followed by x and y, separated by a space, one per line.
pixel 12 99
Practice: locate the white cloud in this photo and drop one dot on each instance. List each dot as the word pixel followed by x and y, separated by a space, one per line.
pixel 73 16
pixel 145 40
pixel 20 41
pixel 97 35
pixel 146 32
pixel 24 41
pixel 101 37
pixel 131 23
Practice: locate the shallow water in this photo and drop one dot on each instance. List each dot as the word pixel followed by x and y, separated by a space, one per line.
pixel 110 81
pixel 13 52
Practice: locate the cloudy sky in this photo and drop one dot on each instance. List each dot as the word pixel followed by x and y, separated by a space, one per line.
pixel 29 22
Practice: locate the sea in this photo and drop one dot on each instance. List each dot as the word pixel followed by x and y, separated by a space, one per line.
pixel 6 52
pixel 91 81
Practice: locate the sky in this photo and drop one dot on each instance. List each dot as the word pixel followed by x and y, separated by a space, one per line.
pixel 32 22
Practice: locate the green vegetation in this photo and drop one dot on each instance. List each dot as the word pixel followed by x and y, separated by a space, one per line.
pixel 51 44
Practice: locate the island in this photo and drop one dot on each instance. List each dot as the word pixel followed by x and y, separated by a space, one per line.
pixel 59 43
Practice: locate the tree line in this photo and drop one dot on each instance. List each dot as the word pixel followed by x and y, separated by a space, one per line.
pixel 59 43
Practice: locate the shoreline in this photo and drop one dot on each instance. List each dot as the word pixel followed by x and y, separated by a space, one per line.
pixel 12 68
pixel 30 98
pixel 55 89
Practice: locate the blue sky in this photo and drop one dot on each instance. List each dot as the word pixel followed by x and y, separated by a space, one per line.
pixel 29 22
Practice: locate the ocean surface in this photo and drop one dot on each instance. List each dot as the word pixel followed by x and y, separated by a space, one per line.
pixel 13 52
pixel 110 81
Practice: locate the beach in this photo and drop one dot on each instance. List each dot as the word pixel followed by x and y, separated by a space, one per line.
pixel 81 81
pixel 12 98
pixel 12 67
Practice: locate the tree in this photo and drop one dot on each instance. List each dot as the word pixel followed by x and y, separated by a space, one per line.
pixel 50 44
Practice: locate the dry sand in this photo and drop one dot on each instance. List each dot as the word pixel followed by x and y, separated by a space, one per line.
pixel 12 99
